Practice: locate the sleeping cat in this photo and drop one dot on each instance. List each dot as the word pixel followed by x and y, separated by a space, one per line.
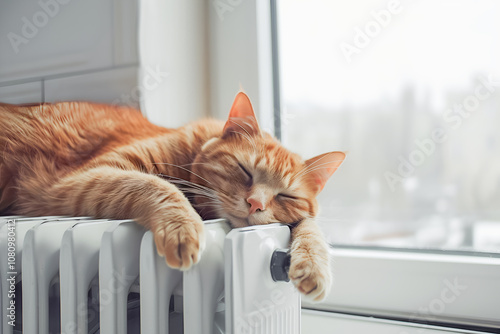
pixel 85 159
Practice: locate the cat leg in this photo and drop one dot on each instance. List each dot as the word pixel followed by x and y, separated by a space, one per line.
pixel 158 205
pixel 310 269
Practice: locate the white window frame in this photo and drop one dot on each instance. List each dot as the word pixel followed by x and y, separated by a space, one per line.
pixel 240 51
pixel 209 50
pixel 424 287
pixel 382 283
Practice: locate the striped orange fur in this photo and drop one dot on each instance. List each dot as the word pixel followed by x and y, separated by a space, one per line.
pixel 86 159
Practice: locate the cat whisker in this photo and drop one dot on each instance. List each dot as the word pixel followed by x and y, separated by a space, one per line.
pixel 180 183
pixel 249 125
pixel 209 211
pixel 314 167
pixel 191 163
pixel 199 193
pixel 238 124
pixel 189 184
pixel 179 180
pixel 206 204
pixel 247 138
pixel 196 190
pixel 316 162
pixel 187 170
pixel 210 196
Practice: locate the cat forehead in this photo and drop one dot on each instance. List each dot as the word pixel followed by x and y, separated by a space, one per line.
pixel 266 155
pixel 277 167
pixel 270 155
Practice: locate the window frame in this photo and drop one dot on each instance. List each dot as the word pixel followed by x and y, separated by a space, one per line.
pixel 364 276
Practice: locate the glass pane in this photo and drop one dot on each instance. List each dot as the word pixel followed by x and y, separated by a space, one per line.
pixel 412 90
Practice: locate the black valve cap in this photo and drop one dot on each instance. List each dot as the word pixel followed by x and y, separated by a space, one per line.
pixel 280 264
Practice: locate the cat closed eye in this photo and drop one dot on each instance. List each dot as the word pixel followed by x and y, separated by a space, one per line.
pixel 245 170
pixel 287 196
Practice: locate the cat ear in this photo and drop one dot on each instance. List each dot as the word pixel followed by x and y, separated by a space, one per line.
pixel 319 169
pixel 241 118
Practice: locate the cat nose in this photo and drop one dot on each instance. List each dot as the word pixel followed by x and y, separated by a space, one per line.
pixel 255 205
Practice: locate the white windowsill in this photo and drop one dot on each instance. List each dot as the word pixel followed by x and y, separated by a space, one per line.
pixel 317 322
pixel 412 286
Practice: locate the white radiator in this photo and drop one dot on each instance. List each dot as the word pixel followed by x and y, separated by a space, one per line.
pixel 81 275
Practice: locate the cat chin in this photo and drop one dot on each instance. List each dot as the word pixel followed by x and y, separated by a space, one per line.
pixel 244 222
pixel 237 221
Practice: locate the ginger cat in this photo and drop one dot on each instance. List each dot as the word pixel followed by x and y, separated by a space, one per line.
pixel 85 159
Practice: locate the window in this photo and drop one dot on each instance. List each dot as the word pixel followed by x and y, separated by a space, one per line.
pixel 412 90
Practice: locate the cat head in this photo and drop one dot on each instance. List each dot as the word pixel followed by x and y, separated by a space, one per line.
pixel 253 179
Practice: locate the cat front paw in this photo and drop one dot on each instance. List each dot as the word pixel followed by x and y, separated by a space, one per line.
pixel 311 277
pixel 181 242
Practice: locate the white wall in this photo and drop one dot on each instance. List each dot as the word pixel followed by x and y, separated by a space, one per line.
pixel 187 58
pixel 174 61
pixel 56 50
pixel 241 57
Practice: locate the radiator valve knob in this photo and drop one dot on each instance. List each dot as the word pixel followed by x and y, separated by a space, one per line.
pixel 280 264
